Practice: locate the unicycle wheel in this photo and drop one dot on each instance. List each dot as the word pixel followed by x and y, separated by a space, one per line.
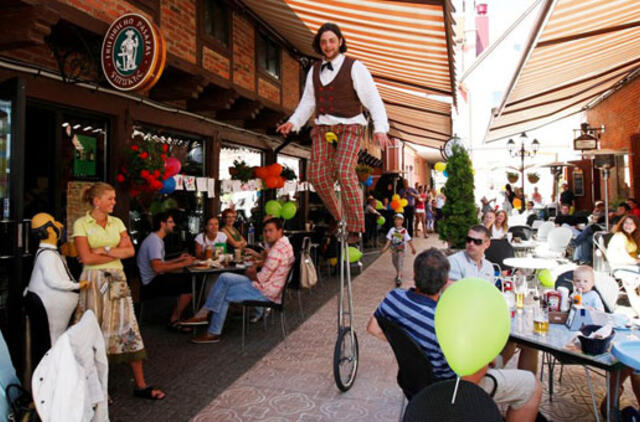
pixel 345 358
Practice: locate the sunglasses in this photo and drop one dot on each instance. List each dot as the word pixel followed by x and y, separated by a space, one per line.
pixel 474 240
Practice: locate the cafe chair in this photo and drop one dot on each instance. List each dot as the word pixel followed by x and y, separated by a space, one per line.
pixel 535 225
pixel 558 239
pixel 472 404
pixel 544 229
pixel 630 278
pixel 268 304
pixel 414 369
pixel 523 232
pixel 498 251
pixel 608 289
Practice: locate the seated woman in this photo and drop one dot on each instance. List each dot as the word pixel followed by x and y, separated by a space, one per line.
pixel 623 246
pixel 234 238
pixel 501 226
pixel 489 219
pixel 209 238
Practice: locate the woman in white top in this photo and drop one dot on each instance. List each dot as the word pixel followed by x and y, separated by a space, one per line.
pixel 500 228
pixel 623 246
pixel 209 237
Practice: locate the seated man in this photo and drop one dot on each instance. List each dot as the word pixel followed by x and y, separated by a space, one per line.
pixel 471 262
pixel 414 311
pixel 158 276
pixel 266 285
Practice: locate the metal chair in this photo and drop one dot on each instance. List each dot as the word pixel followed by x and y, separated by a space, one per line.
pixel 498 251
pixel 523 232
pixel 558 239
pixel 268 304
pixel 472 404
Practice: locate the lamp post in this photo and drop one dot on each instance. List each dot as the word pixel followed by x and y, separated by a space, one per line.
pixel 522 152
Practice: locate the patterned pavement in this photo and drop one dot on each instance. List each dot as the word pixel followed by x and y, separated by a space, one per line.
pixel 293 381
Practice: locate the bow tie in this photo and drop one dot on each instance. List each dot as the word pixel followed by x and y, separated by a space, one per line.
pixel 327 65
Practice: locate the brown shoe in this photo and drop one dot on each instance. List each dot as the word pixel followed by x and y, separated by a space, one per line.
pixel 206 338
pixel 195 321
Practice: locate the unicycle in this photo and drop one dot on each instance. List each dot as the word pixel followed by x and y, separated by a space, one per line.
pixel 345 353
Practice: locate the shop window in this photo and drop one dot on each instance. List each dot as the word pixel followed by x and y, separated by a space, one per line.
pixel 244 202
pixel 216 21
pixel 186 205
pixel 291 162
pixel 268 56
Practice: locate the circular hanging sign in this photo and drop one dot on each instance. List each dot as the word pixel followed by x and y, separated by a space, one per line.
pixel 133 53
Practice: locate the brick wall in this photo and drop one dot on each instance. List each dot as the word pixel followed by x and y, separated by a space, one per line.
pixel 290 81
pixel 40 55
pixel 178 23
pixel 104 10
pixel 244 63
pixel 620 113
pixel 269 90
pixel 216 63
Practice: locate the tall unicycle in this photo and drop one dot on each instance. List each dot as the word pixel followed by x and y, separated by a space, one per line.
pixel 345 353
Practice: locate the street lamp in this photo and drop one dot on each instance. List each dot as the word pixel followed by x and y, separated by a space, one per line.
pixel 522 152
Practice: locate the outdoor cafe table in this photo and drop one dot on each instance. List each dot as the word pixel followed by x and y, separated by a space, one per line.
pixel 555 342
pixel 205 273
pixel 523 247
pixel 529 263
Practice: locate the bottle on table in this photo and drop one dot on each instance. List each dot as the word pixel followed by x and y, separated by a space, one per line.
pixel 251 237
pixel 208 252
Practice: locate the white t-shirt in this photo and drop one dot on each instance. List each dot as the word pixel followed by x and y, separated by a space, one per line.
pixel 497 232
pixel 204 241
pixel 399 238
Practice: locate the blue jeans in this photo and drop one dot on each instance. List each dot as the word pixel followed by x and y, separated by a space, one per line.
pixel 229 288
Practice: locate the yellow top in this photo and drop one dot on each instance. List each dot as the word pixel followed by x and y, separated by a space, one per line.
pixel 99 237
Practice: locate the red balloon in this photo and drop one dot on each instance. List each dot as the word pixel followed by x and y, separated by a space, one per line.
pixel 271 182
pixel 261 172
pixel 172 166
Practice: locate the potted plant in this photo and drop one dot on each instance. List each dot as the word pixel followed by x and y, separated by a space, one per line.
pixel 512 177
pixel 533 178
pixel 241 171
pixel 363 171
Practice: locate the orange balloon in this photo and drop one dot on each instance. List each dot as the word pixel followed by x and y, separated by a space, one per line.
pixel 274 169
pixel 395 204
pixel 261 172
pixel 517 203
pixel 281 181
pixel 271 182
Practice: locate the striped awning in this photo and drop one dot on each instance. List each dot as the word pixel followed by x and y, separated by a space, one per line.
pixel 407 46
pixel 579 50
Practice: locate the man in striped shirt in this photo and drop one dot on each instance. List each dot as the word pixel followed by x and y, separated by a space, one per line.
pixel 414 311
pixel 265 285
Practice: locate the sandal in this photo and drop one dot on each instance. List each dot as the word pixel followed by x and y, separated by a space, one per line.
pixel 147 393
pixel 177 328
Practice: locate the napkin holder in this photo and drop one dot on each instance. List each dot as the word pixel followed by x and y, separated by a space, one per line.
pixel 578 316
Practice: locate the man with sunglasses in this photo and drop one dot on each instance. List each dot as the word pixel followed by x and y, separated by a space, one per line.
pixel 471 262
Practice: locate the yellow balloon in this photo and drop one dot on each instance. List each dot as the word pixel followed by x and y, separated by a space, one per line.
pixel 517 203
pixel 404 202
pixel 333 261
pixel 440 166
pixel 331 137
pixel 395 197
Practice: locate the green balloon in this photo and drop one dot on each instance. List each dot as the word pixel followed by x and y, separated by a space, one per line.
pixel 379 205
pixel 155 207
pixel 169 204
pixel 545 278
pixel 289 210
pixel 380 220
pixel 472 324
pixel 355 254
pixel 273 208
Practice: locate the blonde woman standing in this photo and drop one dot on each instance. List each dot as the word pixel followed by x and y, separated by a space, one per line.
pixel 102 241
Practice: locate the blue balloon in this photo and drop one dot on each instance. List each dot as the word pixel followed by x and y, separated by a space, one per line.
pixel 445 173
pixel 369 181
pixel 168 186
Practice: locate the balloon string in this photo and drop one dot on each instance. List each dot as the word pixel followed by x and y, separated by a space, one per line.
pixel 455 391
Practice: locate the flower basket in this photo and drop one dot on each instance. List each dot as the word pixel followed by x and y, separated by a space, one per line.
pixel 533 178
pixel 512 177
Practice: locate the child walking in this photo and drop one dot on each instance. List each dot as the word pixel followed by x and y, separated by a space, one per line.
pixel 397 239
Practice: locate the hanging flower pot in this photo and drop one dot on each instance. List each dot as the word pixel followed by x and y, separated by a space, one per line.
pixel 512 177
pixel 533 178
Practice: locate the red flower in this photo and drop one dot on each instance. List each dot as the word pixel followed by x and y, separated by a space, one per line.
pixel 145 174
pixel 134 148
pixel 163 156
pixel 144 155
pixel 165 147
pixel 156 173
pixel 120 178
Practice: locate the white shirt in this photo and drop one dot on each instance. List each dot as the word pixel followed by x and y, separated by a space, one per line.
pixel 204 241
pixel 365 88
pixel 462 267
pixel 70 382
pixel 497 232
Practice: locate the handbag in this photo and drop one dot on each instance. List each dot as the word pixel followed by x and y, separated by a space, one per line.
pixel 308 275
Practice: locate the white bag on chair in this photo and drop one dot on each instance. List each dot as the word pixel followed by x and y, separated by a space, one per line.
pixel 308 274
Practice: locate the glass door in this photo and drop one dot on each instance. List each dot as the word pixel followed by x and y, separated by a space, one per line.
pixel 13 233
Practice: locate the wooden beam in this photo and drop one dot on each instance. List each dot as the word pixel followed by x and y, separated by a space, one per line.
pixel 212 99
pixel 175 86
pixel 23 25
pixel 266 119
pixel 243 109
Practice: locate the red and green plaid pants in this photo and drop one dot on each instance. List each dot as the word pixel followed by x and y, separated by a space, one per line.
pixel 330 163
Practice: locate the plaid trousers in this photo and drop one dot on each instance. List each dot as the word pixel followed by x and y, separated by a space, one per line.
pixel 330 163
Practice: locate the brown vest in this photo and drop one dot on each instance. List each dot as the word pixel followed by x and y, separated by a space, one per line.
pixel 338 98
